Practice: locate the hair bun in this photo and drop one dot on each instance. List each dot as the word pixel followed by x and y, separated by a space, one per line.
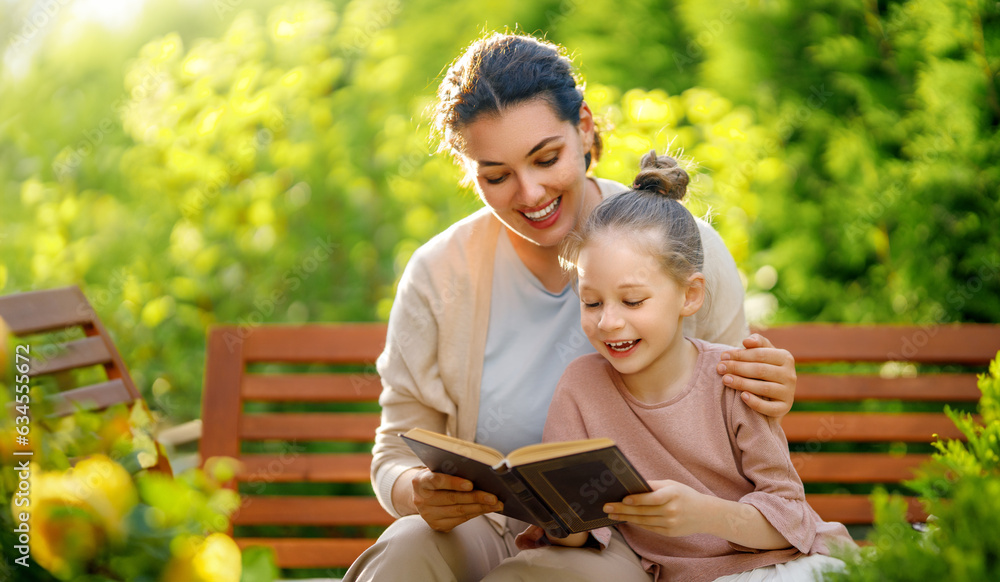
pixel 662 175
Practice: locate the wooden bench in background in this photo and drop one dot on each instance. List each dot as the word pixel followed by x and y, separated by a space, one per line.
pixel 836 408
pixel 74 339
pixel 250 373
pixel 71 352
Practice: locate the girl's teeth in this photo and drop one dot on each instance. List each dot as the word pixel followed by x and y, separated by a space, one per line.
pixel 545 212
pixel 623 346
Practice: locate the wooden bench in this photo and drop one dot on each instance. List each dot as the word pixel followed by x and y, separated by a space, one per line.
pixel 869 400
pixel 297 406
pixel 71 353
pixel 848 430
pixel 74 339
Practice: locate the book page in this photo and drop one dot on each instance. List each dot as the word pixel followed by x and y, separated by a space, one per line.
pixel 545 451
pixel 477 452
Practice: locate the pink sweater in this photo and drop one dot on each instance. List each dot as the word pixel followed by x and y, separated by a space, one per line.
pixel 706 438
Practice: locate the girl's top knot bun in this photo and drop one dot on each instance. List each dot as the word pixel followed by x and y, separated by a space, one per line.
pixel 662 175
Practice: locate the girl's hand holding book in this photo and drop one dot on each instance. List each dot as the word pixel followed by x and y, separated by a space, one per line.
pixel 671 509
pixel 444 501
pixel 674 509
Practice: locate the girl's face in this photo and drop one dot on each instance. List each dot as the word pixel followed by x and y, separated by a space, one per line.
pixel 630 309
pixel 529 168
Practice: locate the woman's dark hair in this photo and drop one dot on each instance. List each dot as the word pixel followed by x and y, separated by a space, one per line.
pixel 501 71
pixel 651 206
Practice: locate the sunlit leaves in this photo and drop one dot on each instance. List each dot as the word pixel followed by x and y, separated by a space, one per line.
pixel 721 147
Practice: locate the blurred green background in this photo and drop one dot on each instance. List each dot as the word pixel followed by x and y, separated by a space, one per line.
pixel 247 161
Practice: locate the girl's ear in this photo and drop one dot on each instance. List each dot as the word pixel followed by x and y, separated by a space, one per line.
pixel 694 294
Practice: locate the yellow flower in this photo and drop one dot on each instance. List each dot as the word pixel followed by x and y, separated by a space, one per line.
pixel 66 534
pixel 215 558
pixel 108 489
pixel 74 512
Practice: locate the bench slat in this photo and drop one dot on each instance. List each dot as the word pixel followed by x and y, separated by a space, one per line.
pixel 968 343
pixel 47 310
pixel 356 343
pixel 311 552
pixel 318 426
pixel 855 467
pixel 918 427
pixel 310 510
pixel 93 397
pixel 928 388
pixel 81 353
pixel 315 468
pixel 311 387
pixel 220 403
pixel 857 509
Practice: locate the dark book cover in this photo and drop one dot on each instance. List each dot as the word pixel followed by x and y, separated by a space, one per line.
pixel 562 495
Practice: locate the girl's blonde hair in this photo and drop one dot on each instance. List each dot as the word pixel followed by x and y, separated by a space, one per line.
pixel 652 206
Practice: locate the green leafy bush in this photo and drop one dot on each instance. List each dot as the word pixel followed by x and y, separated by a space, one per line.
pixel 960 488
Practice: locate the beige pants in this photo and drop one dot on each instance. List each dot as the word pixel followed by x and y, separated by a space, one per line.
pixel 411 551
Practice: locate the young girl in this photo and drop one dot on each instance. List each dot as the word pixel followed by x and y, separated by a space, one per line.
pixel 726 502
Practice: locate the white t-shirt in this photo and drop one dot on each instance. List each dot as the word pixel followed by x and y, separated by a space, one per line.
pixel 533 335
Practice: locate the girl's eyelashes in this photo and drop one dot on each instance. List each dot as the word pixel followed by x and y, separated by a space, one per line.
pixel 625 302
pixel 495 180
pixel 548 162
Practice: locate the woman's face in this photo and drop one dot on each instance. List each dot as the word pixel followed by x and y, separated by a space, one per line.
pixel 529 168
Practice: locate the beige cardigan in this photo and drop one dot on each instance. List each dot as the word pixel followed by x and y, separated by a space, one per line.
pixel 433 360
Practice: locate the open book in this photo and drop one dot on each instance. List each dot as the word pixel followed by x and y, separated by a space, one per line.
pixel 560 487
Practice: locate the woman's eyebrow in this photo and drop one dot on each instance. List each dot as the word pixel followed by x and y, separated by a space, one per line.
pixel 537 147
pixel 541 144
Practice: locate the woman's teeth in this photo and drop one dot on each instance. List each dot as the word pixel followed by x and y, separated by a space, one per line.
pixel 622 346
pixel 544 213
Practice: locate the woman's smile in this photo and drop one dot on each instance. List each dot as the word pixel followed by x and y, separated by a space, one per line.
pixel 546 216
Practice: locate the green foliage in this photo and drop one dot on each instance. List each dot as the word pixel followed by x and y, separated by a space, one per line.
pixel 960 488
pixel 888 117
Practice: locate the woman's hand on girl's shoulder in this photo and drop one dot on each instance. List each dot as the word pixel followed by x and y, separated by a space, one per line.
pixel 765 375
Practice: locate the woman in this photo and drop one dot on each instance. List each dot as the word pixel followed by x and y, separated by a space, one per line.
pixel 484 320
